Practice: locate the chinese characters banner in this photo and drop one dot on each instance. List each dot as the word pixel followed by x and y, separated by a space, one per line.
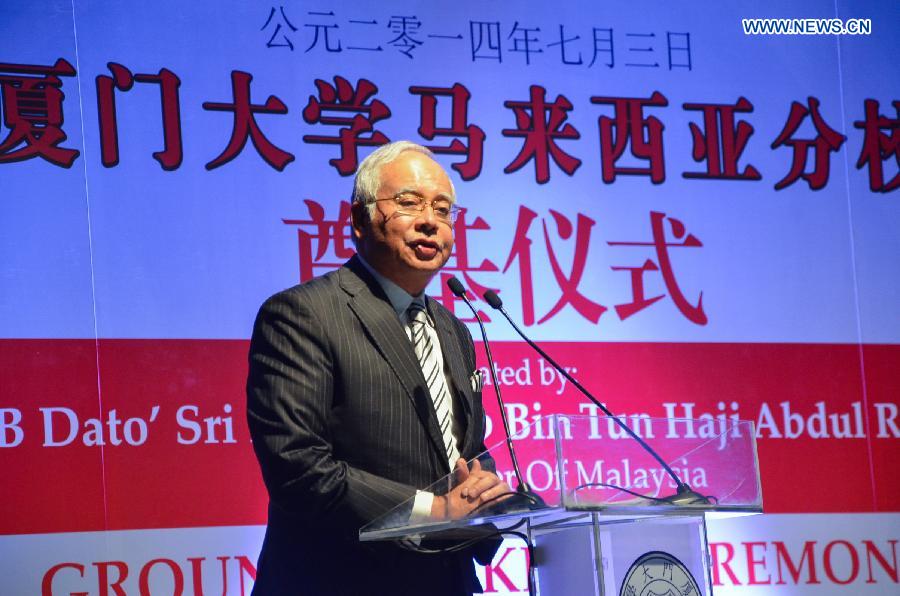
pixel 697 222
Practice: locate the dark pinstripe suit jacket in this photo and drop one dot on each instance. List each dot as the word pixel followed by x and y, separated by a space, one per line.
pixel 344 430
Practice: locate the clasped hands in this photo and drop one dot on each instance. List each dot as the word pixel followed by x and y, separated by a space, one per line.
pixel 474 488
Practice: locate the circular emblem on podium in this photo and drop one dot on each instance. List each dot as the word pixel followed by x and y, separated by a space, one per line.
pixel 659 574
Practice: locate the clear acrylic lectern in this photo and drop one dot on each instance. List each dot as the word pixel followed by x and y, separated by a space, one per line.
pixel 613 519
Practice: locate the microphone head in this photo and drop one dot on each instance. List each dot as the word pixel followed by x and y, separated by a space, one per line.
pixel 456 287
pixel 493 299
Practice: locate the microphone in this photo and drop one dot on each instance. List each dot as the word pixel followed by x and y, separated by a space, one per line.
pixel 524 496
pixel 684 494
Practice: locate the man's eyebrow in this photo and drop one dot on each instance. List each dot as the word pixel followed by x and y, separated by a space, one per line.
pixel 408 191
pixel 412 191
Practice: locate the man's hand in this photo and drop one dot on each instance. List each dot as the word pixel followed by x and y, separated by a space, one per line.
pixel 475 487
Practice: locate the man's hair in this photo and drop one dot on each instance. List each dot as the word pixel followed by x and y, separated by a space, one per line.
pixel 368 176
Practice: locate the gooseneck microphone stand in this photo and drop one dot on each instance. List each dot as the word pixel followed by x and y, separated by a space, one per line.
pixel 524 498
pixel 684 494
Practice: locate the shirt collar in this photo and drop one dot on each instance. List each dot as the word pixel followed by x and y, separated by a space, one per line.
pixel 399 298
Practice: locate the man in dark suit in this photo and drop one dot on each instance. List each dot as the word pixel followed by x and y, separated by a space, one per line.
pixel 345 424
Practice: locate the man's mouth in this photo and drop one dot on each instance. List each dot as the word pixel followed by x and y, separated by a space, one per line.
pixel 425 249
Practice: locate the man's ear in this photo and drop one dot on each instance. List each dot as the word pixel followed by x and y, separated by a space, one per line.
pixel 359 219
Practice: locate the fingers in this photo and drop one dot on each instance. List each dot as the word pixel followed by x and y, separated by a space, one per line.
pixel 495 491
pixel 479 488
pixel 481 484
pixel 478 483
pixel 464 473
pixel 462 470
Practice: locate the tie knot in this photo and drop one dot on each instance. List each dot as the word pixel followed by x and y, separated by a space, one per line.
pixel 417 313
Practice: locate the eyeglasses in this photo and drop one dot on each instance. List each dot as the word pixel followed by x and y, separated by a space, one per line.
pixel 414 205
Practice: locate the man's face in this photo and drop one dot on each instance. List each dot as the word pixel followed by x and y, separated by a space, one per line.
pixel 408 249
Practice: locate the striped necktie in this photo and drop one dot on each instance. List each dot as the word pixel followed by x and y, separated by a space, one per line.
pixel 425 343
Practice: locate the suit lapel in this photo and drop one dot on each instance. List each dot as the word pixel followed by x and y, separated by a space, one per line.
pixel 374 311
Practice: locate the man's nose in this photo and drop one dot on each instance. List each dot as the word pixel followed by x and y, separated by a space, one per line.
pixel 427 216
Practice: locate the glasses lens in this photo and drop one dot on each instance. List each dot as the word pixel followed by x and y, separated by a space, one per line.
pixel 414 206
